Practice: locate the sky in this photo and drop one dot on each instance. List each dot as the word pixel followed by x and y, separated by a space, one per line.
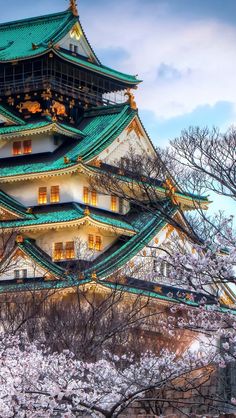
pixel 183 50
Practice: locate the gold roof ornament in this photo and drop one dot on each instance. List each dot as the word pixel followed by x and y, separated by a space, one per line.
pixel 86 211
pixel 19 239
pixel 170 190
pixel 73 7
pixel 94 275
pixel 131 99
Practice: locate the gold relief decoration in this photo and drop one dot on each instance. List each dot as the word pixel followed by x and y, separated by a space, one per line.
pixel 66 160
pixel 75 32
pixel 156 240
pixel 170 190
pixel 10 101
pixel 19 239
pixel 29 210
pixel 94 275
pixel 158 289
pixel 169 230
pixel 134 127
pixel 58 108
pixel 131 99
pixel 27 97
pixel 32 107
pixel 96 162
pixel 86 211
pixel 46 95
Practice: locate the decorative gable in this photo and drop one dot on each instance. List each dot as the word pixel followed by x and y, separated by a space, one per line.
pixel 75 41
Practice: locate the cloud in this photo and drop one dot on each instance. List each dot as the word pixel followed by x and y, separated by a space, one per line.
pixel 185 63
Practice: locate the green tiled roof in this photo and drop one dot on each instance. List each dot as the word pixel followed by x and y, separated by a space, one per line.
pixel 13 205
pixel 150 223
pixel 99 128
pixel 63 213
pixel 101 69
pixel 34 252
pixel 42 126
pixel 16 38
pixel 8 115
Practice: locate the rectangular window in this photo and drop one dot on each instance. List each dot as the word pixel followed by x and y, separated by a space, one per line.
pixel 93 198
pixel 86 195
pixel 27 146
pixel 55 194
pixel 71 47
pixel 16 274
pixel 114 203
pixel 24 274
pixel 42 196
pixel 98 243
pixel 121 205
pixel 70 250
pixel 76 49
pixel 16 148
pixel 58 251
pixel 91 242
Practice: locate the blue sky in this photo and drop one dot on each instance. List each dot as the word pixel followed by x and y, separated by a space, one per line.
pixel 183 50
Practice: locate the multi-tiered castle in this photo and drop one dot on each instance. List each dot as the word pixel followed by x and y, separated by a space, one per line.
pixel 65 119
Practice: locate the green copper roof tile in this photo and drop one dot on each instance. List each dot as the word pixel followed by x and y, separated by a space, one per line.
pixel 30 128
pixel 10 116
pixel 67 213
pixel 101 69
pixel 16 38
pixel 98 132
pixel 13 205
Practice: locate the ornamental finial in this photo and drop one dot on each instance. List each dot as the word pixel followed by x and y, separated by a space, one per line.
pixel 131 99
pixel 73 7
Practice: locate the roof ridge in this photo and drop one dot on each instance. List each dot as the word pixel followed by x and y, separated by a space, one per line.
pixel 34 18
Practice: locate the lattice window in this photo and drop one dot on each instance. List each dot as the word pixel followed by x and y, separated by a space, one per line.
pixel 16 274
pixel 42 196
pixel 70 250
pixel 16 148
pixel 114 203
pixel 58 253
pixel 27 146
pixel 98 243
pixel 86 195
pixel 93 198
pixel 91 242
pixel 55 194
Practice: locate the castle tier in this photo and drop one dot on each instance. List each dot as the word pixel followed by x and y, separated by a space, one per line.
pixel 65 121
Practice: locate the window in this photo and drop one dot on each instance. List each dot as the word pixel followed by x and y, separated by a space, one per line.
pixel 161 267
pixel 95 242
pixel 121 205
pixel 24 273
pixel 76 49
pixel 55 194
pixel 27 146
pixel 42 196
pixel 16 149
pixel 86 195
pixel 98 243
pixel 70 250
pixel 58 251
pixel 114 203
pixel 91 242
pixel 16 274
pixel 93 198
pixel 71 47
pixel 20 274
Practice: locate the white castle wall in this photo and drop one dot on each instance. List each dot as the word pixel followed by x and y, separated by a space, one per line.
pixel 71 190
pixel 46 240
pixel 20 263
pixel 40 143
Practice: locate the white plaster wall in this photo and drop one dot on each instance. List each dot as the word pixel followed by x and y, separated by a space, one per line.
pixel 122 146
pixel 40 143
pixel 81 44
pixel 46 240
pixel 71 190
pixel 22 263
